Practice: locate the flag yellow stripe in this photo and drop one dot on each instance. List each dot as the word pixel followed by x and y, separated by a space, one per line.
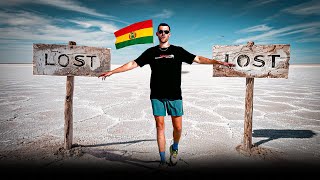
pixel 139 33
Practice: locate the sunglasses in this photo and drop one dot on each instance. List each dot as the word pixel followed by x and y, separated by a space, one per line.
pixel 165 31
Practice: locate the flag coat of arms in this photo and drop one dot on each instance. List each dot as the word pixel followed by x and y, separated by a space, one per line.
pixel 137 33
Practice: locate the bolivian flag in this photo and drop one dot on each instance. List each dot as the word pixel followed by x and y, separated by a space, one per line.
pixel 137 33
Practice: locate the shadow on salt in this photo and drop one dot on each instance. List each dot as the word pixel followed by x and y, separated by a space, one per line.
pixel 273 134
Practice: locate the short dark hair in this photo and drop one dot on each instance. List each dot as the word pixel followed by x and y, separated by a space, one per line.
pixel 163 24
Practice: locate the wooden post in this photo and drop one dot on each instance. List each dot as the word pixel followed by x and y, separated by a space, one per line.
pixel 68 110
pixel 247 139
pixel 252 61
pixel 46 61
pixel 247 135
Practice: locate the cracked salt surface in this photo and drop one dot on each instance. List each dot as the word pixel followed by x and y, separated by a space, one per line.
pixel 113 120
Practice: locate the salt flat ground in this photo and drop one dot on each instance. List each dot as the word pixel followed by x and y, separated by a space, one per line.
pixel 113 124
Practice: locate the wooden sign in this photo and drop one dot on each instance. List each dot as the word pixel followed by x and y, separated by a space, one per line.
pixel 70 60
pixel 253 61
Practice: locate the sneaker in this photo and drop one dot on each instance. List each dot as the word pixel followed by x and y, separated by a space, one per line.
pixel 162 165
pixel 173 156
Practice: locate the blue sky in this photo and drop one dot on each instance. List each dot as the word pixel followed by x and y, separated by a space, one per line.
pixel 196 25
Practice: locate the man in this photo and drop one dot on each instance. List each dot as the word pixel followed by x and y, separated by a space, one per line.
pixel 165 61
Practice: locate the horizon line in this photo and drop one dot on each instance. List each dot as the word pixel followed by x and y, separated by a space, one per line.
pixel 182 64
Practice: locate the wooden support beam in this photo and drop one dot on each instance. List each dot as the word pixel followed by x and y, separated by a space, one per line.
pixel 247 139
pixel 68 110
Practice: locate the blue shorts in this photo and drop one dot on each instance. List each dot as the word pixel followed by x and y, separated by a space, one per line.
pixel 172 107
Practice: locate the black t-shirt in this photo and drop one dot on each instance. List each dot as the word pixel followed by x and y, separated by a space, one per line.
pixel 165 64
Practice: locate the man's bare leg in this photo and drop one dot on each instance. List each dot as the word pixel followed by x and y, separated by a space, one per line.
pixel 177 128
pixel 161 139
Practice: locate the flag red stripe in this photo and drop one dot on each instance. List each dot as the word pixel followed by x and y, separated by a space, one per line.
pixel 134 27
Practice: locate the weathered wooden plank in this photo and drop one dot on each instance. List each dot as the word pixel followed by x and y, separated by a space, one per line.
pixel 252 61
pixel 70 60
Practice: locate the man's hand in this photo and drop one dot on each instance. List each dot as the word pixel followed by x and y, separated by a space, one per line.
pixel 228 64
pixel 106 74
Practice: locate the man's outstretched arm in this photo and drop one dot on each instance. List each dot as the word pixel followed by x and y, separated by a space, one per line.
pixel 126 67
pixel 204 60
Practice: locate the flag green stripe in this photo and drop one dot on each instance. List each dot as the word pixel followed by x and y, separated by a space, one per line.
pixel 142 40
